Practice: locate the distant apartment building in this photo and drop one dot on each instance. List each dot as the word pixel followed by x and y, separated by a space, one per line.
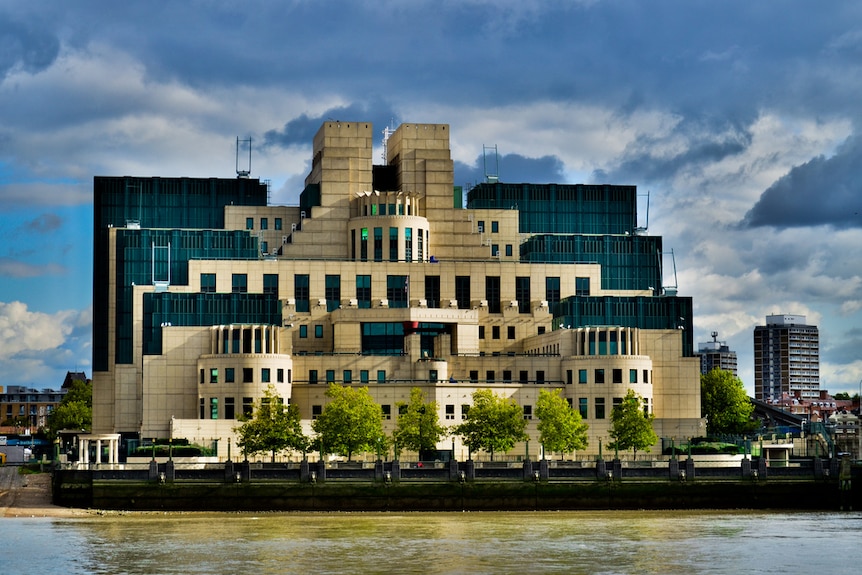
pixel 716 355
pixel 786 358
pixel 205 295
pixel 25 409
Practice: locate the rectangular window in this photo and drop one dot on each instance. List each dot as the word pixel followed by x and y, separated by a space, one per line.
pixel 381 376
pixel 229 375
pixel 465 409
pixel 617 375
pixel 481 226
pixel 582 376
pixel 278 225
pixel 264 247
pixel 481 332
pixel 264 223
pixel 495 250
pixel 583 407
pixel 378 244
pixel 540 376
pixel 203 376
pixel 203 408
pixel 330 376
pixel 213 408
pixel 214 375
pixel 248 375
pixel 600 375
pixel 570 377
pixel 347 376
pixel 646 376
pixel 450 411
pixel 492 293
pixel 522 294
pixel 617 401
pixel 332 292
pixel 495 227
pixel 363 376
pixel 208 283
pixel 510 332
pixel 363 291
pixel 393 244
pixel 363 244
pixel 303 331
pixel 474 376
pixel 433 376
pixel 318 331
pixel 229 408
pixel 552 291
pixel 316 411
pixel 301 292
pixel 507 376
pixel 495 332
pixel 249 223
pixel 582 286
pixel 633 376
pixel 397 291
pixel 270 284
pixel 489 376
pixel 387 411
pixel 528 412
pixel 600 408
pixel 462 291
pixel 508 250
pixel 523 376
pixel 264 375
pixel 312 376
pixel 432 291
pixel 247 406
pixel 239 283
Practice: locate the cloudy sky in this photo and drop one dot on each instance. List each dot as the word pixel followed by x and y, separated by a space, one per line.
pixel 741 119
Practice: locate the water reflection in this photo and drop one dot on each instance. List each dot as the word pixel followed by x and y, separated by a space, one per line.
pixel 450 543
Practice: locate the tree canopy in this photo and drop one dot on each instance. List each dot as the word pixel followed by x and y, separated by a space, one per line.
pixel 272 427
pixel 493 423
pixel 350 423
pixel 560 427
pixel 418 428
pixel 725 403
pixel 631 428
pixel 75 410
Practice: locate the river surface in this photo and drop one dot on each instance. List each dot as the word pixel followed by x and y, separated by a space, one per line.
pixel 470 543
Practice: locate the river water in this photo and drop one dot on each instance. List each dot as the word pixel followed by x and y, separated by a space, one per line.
pixel 470 543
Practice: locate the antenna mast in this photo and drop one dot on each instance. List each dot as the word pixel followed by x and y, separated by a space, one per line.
pixel 491 177
pixel 240 144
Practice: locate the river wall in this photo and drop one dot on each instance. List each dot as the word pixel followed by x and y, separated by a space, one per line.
pixel 456 487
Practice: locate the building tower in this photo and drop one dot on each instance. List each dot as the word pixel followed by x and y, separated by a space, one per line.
pixel 716 355
pixel 786 358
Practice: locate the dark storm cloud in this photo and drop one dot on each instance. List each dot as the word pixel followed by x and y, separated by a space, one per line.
pixel 511 168
pixel 641 163
pixel 27 47
pixel 823 191
pixel 300 131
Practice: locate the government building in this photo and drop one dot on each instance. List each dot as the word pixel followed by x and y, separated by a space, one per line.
pixel 205 295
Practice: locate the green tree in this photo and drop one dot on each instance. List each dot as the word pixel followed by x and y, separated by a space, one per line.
pixel 493 423
pixel 631 428
pixel 418 428
pixel 75 410
pixel 560 427
pixel 725 403
pixel 272 427
pixel 350 423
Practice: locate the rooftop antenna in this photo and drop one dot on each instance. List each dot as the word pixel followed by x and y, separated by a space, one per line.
pixel 387 131
pixel 491 177
pixel 240 145
pixel 714 337
pixel 639 231
pixel 669 289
